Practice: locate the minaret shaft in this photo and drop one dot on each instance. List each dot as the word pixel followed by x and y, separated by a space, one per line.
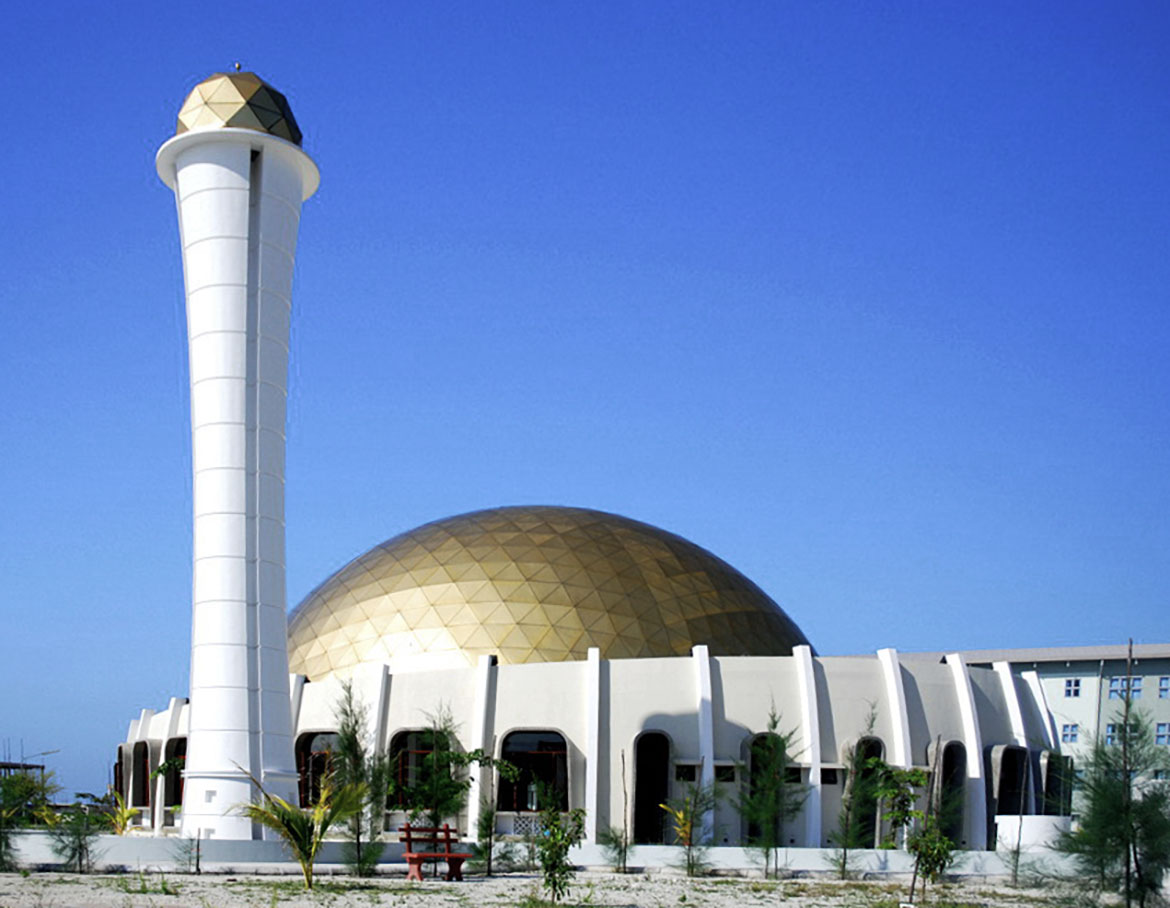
pixel 239 199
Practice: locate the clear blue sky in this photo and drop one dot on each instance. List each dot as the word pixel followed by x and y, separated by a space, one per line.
pixel 869 299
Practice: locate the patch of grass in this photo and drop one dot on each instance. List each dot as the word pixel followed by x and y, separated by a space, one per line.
pixel 141 884
pixel 1052 895
pixel 344 887
pixel 532 900
pixel 947 903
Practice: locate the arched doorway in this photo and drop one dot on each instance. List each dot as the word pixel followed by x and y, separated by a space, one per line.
pixel 952 791
pixel 865 805
pixel 651 787
pixel 1012 790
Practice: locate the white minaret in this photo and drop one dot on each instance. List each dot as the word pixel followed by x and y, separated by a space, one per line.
pixel 239 178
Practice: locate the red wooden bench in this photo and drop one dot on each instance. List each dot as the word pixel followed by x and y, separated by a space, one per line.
pixel 440 841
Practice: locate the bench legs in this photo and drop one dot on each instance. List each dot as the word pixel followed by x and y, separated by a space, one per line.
pixel 454 868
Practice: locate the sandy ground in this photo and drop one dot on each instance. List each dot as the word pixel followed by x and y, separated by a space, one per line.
pixel 57 890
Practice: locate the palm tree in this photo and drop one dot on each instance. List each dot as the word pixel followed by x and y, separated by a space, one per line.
pixel 303 829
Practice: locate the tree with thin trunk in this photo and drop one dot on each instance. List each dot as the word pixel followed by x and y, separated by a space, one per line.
pixel 614 840
pixel 485 827
pixel 439 788
pixel 897 791
pixel 559 832
pixel 852 831
pixel 686 819
pixel 1123 839
pixel 933 851
pixel 74 835
pixel 771 799
pixel 357 765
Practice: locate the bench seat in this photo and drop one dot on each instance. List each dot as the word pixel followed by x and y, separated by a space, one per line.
pixel 430 843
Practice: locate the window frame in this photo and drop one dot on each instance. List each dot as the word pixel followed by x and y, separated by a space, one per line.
pixel 505 786
pixel 1121 686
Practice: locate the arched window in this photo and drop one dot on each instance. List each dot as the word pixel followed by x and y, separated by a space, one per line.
pixel 140 775
pixel 651 787
pixel 952 791
pixel 314 753
pixel 175 753
pixel 542 758
pixel 409 750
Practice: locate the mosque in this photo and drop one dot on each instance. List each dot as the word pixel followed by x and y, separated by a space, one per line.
pixel 613 662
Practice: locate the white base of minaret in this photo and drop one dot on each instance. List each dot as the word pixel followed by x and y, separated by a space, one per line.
pixel 239 195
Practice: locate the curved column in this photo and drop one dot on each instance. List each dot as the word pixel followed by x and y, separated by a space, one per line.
pixel 1011 697
pixel 899 718
pixel 1036 689
pixel 896 704
pixel 810 722
pixel 973 742
pixel 701 659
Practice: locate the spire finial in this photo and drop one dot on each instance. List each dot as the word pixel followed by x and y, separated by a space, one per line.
pixel 237 66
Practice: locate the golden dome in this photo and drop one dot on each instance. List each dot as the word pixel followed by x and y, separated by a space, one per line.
pixel 532 584
pixel 239 99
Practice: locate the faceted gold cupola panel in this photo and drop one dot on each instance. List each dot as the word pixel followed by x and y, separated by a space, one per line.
pixel 532 584
pixel 241 100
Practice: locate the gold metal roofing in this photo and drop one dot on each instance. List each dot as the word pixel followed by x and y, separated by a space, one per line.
pixel 238 99
pixel 532 584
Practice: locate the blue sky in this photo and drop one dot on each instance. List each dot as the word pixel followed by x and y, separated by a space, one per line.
pixel 869 299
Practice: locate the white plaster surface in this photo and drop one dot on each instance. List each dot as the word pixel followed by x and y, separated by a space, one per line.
pixel 239 196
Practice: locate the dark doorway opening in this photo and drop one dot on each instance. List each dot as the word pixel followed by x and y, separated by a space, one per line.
pixel 866 804
pixel 953 792
pixel 140 776
pixel 1013 782
pixel 651 787
pixel 175 754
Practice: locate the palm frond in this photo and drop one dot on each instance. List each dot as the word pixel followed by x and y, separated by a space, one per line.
pixel 304 829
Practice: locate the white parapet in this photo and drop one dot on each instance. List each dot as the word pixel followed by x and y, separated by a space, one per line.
pixel 239 195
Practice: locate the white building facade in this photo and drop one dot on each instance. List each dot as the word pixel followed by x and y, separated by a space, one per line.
pixel 618 737
pixel 613 663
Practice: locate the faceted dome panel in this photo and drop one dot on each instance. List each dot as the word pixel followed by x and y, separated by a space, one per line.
pixel 241 100
pixel 532 584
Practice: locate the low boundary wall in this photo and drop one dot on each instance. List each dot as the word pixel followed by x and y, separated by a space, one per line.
pixel 171 854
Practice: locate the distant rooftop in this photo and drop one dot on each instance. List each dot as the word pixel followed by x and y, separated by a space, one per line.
pixel 1110 652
